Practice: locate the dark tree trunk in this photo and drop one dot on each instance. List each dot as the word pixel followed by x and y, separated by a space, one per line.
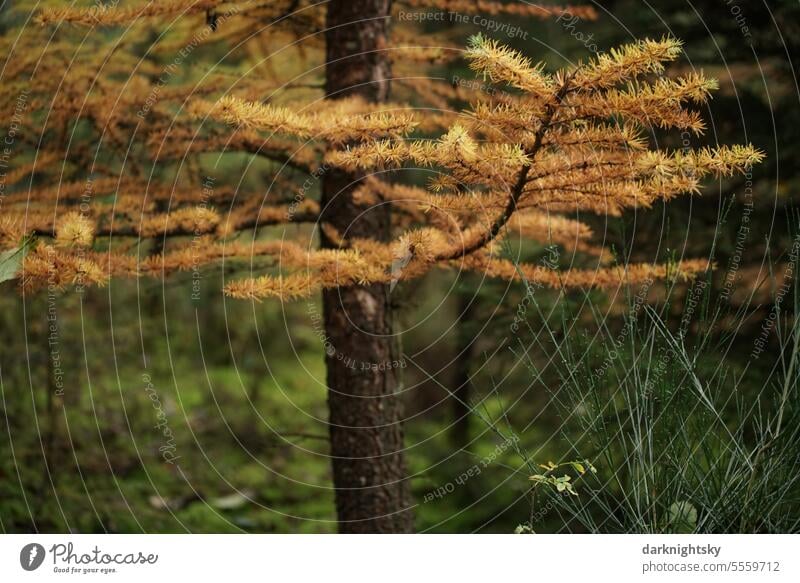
pixel 366 433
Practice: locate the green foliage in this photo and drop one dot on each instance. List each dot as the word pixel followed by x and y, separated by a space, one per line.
pixel 686 439
pixel 11 259
pixel 561 483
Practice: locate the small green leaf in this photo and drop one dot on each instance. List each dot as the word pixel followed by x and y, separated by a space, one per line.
pixel 682 517
pixel 11 259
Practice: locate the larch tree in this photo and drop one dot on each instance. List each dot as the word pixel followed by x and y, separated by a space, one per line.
pixel 112 176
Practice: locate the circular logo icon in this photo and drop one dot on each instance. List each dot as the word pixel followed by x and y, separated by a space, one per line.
pixel 31 556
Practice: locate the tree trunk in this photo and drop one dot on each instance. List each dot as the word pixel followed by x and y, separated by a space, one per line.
pixel 366 434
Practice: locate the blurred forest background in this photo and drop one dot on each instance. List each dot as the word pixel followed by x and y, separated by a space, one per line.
pixel 687 424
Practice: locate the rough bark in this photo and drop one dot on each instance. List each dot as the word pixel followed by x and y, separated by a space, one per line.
pixel 366 434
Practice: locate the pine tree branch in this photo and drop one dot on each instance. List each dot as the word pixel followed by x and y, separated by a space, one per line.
pixel 128 229
pixel 522 179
